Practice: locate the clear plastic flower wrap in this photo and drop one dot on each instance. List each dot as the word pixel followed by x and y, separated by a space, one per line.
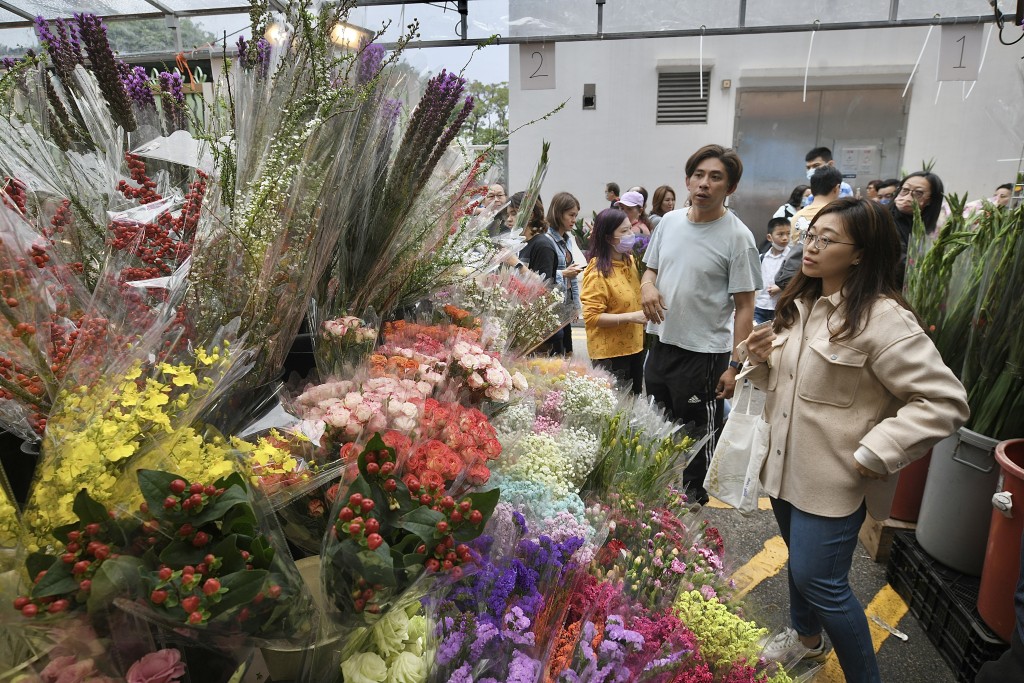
pixel 138 412
pixel 201 565
pixel 288 174
pixel 519 309
pixel 403 513
pixel 342 344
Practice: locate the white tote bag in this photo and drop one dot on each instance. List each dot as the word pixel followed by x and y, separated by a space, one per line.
pixel 734 473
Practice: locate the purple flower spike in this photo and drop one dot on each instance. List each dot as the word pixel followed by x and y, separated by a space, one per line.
pixel 137 85
pixel 370 59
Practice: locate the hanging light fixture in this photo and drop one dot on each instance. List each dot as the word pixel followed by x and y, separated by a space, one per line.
pixel 349 36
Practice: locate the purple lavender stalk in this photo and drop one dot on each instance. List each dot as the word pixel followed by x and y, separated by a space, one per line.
pixel 369 61
pixel 63 47
pixel 104 65
pixel 136 84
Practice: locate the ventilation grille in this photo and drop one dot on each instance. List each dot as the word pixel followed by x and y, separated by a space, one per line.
pixel 679 99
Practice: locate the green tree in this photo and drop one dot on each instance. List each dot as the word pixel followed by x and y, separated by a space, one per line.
pixel 152 35
pixel 489 121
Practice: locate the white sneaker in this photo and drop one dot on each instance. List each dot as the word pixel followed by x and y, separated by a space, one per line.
pixel 786 643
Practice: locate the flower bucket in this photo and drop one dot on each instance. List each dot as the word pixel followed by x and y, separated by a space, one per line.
pixel 1002 558
pixel 906 504
pixel 957 504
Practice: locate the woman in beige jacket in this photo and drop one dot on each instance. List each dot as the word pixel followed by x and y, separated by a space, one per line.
pixel 856 391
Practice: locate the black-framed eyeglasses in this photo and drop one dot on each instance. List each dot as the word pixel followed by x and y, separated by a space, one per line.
pixel 916 194
pixel 820 242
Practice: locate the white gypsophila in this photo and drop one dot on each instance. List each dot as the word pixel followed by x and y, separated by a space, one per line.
pixel 515 418
pixel 539 458
pixel 587 401
pixel 580 448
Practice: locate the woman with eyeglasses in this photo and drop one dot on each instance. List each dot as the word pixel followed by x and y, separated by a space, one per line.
pixel 855 392
pixel 925 190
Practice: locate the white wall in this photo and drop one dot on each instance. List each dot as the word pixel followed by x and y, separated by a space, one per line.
pixel 620 142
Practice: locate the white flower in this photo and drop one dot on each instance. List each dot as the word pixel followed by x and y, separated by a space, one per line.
pixel 407 668
pixel 519 382
pixel 496 377
pixel 475 381
pixel 365 667
pixel 337 416
pixel 389 633
pixel 353 399
pixel 500 395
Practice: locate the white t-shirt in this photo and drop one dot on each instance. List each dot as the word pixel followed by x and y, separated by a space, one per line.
pixel 700 266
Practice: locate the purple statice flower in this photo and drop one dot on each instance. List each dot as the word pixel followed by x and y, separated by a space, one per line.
pixel 136 83
pixel 615 630
pixel 522 668
pixel 461 675
pixel 8 62
pixel 450 647
pixel 485 633
pixel 262 64
pixel 520 521
pixel 666 662
pixel 368 64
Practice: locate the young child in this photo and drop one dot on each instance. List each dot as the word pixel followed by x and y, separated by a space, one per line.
pixel 771 261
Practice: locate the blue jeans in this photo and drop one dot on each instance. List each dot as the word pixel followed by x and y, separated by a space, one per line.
pixel 763 315
pixel 820 555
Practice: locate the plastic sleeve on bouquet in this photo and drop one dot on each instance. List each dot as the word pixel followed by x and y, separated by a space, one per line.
pixel 139 414
pixel 205 558
pixel 391 524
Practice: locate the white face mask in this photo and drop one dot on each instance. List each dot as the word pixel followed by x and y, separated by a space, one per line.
pixel 810 172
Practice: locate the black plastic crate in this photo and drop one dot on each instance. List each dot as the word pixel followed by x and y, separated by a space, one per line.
pixel 945 603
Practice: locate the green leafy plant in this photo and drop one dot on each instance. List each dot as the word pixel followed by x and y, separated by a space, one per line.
pixel 194 554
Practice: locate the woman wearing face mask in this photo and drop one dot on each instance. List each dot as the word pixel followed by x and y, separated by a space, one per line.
pixel 925 190
pixel 611 300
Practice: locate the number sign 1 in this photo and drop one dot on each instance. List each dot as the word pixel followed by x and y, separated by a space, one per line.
pixel 537 66
pixel 960 52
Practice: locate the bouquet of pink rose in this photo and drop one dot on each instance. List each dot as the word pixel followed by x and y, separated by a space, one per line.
pixel 342 344
pixel 482 375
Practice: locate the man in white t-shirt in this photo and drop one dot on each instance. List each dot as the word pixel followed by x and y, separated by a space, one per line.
pixel 702 271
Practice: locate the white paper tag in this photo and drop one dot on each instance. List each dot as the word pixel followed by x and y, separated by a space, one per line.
pixel 960 52
pixel 537 66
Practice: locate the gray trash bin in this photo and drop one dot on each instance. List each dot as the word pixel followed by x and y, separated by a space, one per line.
pixel 957 506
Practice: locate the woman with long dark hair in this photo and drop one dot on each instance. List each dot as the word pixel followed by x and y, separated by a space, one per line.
pixel 538 253
pixel 924 189
pixel 664 200
pixel 611 300
pixel 793 204
pixel 855 392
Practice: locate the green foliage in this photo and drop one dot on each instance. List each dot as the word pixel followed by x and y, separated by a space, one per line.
pixel 488 124
pixel 152 35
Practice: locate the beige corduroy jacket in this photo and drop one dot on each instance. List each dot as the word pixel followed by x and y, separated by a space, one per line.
pixel 886 389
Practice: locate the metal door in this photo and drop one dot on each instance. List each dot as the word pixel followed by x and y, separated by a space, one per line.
pixel 774 130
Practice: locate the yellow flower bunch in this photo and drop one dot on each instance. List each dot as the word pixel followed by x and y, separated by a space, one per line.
pixel 99 435
pixel 10 524
pixel 269 456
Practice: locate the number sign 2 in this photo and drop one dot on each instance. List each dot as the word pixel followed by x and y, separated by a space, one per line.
pixel 960 52
pixel 537 66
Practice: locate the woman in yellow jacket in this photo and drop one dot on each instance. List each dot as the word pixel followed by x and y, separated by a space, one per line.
pixel 610 297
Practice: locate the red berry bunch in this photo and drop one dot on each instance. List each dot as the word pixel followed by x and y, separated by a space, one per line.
pixel 87 549
pixel 193 588
pixel 13 194
pixel 364 596
pixel 163 242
